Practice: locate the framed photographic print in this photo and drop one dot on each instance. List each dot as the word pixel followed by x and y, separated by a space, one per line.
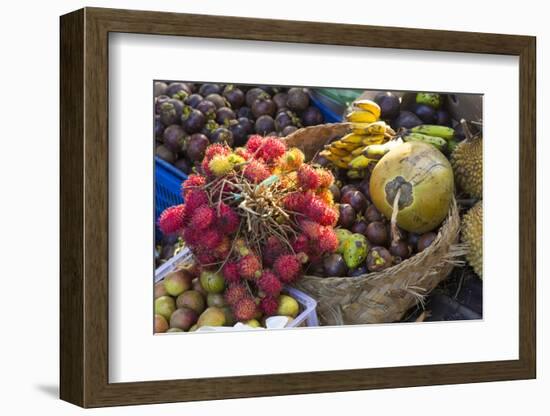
pixel 259 207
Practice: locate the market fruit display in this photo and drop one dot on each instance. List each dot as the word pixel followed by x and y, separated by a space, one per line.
pixel 467 162
pixel 189 117
pixel 472 236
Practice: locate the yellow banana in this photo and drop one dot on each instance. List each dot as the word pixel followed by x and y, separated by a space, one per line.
pixel 360 162
pixel 376 151
pixel 338 152
pixel 336 160
pixel 368 105
pixel 378 127
pixel 352 138
pixel 358 151
pixel 374 139
pixel 344 146
pixel 361 116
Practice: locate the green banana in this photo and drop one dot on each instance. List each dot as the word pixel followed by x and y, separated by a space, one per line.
pixel 438 142
pixel 360 162
pixel 444 132
pixel 356 174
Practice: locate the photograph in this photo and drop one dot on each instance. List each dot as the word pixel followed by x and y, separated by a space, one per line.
pixel 297 206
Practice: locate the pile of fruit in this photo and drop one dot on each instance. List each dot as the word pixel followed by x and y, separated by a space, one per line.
pixel 189 299
pixel 255 218
pixel 189 117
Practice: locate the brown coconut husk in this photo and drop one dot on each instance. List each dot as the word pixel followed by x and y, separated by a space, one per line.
pixel 387 295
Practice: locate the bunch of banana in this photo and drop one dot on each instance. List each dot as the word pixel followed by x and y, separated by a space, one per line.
pixel 348 151
pixel 439 136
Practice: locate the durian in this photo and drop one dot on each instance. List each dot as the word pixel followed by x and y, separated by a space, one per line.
pixel 472 236
pixel 467 162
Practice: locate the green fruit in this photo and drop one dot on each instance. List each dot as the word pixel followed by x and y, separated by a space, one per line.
pixel 215 299
pixel 355 250
pixel 183 318
pixel 177 282
pixel 160 324
pixel 343 236
pixel 288 306
pixel 160 290
pixel 175 330
pixel 191 299
pixel 212 316
pixel 165 306
pixel 229 317
pixel 253 323
pixel 212 282
pixel 431 99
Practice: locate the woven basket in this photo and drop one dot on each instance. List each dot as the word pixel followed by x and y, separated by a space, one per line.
pixel 382 296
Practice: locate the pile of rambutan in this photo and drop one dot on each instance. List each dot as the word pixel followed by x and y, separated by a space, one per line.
pixel 257 213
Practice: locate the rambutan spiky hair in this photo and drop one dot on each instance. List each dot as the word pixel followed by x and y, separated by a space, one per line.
pixel 308 178
pixel 245 309
pixel 228 220
pixel 250 266
pixel 255 171
pixel 202 218
pixel 269 305
pixel 269 283
pixel 171 220
pixel 230 272
pixel 288 268
pixel 234 293
pixel 272 149
pixel 193 182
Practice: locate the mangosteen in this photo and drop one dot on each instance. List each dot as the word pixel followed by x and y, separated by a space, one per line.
pixel 239 133
pixel 426 113
pixel 183 165
pixel 234 96
pixel 247 124
pixel 364 186
pixel 159 88
pixel 406 119
pixel 192 120
pixel 400 249
pixel 280 100
pixel 193 100
pixel 312 116
pixel 177 87
pixel 208 108
pixel 253 94
pixel 222 135
pixel 335 191
pixel 356 199
pixel 207 89
pixel 425 240
pixel 443 118
pixel 347 216
pixel 291 129
pixel 378 259
pixel 372 214
pixel 316 269
pixel 263 106
pixel 174 137
pixel 161 99
pixel 245 112
pixel 412 239
pixel 347 188
pixel 264 124
pixel 168 113
pixel 224 114
pixel 165 154
pixel 282 120
pixel 196 147
pixel 217 99
pixel 389 105
pixel 377 233
pixel 358 271
pixel 360 227
pixel 159 127
pixel 210 126
pixel 335 265
pixel 298 100
pixel 318 159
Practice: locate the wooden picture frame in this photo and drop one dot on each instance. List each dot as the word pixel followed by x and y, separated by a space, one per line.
pixel 84 207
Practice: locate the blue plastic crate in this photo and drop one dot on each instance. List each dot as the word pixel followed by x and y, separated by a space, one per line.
pixel 329 115
pixel 168 180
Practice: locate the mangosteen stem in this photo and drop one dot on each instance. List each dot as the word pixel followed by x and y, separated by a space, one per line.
pixel 396 236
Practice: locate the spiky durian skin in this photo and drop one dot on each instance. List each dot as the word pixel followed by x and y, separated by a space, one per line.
pixel 467 162
pixel 472 236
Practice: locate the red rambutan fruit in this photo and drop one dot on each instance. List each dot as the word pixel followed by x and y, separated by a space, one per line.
pixel 272 249
pixel 328 243
pixel 308 178
pixel 228 220
pixel 326 178
pixel 191 236
pixel 202 218
pixel 255 171
pixel 243 152
pixel 171 220
pixel 209 239
pixel 272 149
pixel 288 268
pixel 195 199
pixel 301 244
pixel 235 293
pixel 269 305
pixel 245 309
pixel 254 143
pixel 250 266
pixel 269 283
pixel 318 211
pixel 230 272
pixel 193 182
pixel 310 228
pixel 216 150
pixel 294 201
pixel 222 250
pixel 205 257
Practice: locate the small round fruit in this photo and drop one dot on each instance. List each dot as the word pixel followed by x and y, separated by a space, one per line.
pixel 264 124
pixel 360 227
pixel 224 114
pixel 161 325
pixel 263 106
pixel 389 105
pixel 289 130
pixel 165 306
pixel 335 192
pixel 407 120
pixel 356 199
pixel 212 282
pixel 217 99
pixel 312 117
pixel 212 316
pixel 196 285
pixel 358 271
pixel 175 330
pixel 298 100
pixel 235 96
pixel 159 88
pixel 196 147
pixel 215 299
pixel 209 88
pixel 288 306
pixel 378 259
pixel 177 282
pixel 425 240
pixel 334 265
pixel 253 323
pixel 372 214
pixel 354 250
pixel 347 216
pixel 192 300
pixel 348 188
pixel 183 318
pixel 400 249
pixel 377 233
pixel 160 290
